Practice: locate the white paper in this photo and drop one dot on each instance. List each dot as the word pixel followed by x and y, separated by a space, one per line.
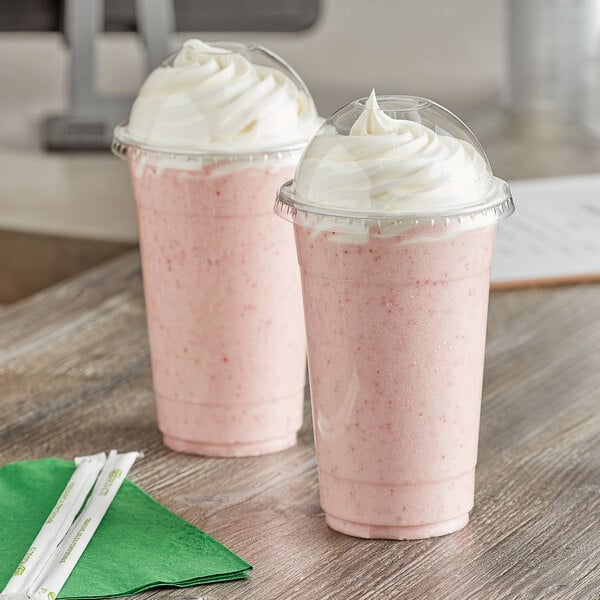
pixel 554 234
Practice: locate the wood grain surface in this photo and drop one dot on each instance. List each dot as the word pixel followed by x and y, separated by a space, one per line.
pixel 75 379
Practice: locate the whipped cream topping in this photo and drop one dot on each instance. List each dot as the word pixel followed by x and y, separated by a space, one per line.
pixel 387 165
pixel 211 98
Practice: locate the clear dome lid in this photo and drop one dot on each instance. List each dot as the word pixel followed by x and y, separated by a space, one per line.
pixel 222 97
pixel 394 159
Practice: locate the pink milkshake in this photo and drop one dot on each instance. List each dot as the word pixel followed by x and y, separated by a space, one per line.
pixel 394 232
pixel 223 297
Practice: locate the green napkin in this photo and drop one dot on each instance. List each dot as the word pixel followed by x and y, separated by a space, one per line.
pixel 139 544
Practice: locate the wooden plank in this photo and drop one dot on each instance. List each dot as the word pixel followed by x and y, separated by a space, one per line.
pixel 30 262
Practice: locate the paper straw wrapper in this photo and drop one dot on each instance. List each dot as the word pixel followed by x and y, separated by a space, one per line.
pixel 56 525
pixel 50 581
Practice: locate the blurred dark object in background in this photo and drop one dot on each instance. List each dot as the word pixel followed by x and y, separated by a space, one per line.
pixel 91 117
pixel 190 15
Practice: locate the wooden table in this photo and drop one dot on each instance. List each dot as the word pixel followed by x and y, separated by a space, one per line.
pixel 75 379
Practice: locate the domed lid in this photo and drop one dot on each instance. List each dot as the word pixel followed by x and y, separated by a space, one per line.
pixel 222 97
pixel 398 159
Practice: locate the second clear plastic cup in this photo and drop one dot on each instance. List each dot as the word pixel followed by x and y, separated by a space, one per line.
pixel 395 302
pixel 396 338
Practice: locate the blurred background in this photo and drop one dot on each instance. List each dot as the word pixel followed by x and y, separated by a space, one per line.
pixel 524 74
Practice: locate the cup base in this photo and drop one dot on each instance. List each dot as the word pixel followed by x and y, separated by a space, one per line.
pixel 403 532
pixel 230 450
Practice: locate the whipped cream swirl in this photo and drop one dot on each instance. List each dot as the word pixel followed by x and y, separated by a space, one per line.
pixel 211 98
pixel 388 165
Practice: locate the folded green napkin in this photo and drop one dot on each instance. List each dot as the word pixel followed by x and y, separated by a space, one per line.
pixel 139 544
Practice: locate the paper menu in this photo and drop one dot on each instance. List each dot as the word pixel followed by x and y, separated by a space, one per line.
pixel 554 234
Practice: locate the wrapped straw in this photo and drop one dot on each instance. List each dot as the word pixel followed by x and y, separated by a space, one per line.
pixel 50 581
pixel 56 526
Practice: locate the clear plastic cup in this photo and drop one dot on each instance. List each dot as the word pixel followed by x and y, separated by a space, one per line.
pixel 222 293
pixel 396 305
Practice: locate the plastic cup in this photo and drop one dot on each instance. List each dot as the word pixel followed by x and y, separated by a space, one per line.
pixel 222 293
pixel 396 307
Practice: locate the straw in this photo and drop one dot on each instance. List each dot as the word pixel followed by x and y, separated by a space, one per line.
pixel 56 525
pixel 49 583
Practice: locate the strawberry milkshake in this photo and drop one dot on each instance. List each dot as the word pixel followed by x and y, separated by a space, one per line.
pixel 212 135
pixel 395 223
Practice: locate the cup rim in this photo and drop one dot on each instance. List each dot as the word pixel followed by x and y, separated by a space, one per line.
pixel 500 206
pixel 124 144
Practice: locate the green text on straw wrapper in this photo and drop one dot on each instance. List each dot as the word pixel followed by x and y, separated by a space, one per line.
pixel 60 502
pixel 112 477
pixel 75 540
pixel 21 568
